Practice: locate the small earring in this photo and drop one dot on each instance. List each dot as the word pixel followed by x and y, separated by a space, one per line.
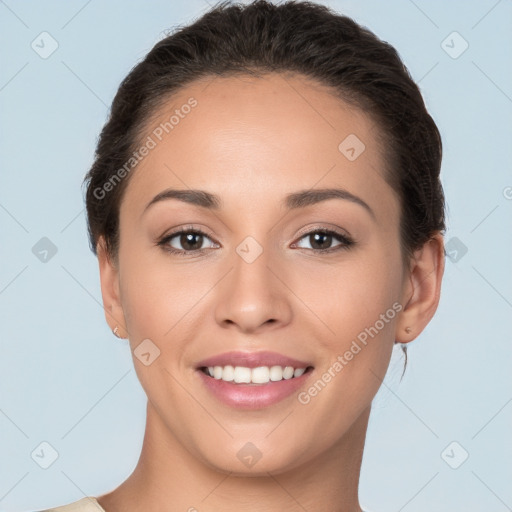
pixel 408 330
pixel 116 332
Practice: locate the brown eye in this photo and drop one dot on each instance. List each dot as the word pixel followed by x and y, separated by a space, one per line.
pixel 321 240
pixel 187 241
pixel 184 241
pixel 190 241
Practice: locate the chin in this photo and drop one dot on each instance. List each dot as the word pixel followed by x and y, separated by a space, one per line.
pixel 258 458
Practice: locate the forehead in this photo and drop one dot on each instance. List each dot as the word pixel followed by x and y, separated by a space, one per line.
pixel 250 137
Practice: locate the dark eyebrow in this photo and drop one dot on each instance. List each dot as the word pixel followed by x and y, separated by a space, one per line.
pixel 316 195
pixel 196 197
pixel 292 201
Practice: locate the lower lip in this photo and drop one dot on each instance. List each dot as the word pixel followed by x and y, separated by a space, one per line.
pixel 253 396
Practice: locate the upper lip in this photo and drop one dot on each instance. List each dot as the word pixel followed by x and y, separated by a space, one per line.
pixel 252 360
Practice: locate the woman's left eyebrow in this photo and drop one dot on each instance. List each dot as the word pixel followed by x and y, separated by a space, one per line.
pixel 300 199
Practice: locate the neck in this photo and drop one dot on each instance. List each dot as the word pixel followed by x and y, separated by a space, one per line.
pixel 167 477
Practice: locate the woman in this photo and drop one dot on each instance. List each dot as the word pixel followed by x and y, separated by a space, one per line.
pixel 267 213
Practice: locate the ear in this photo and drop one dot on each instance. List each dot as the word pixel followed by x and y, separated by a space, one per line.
pixel 109 280
pixel 422 290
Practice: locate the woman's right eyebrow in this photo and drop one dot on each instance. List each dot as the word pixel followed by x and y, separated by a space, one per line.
pixel 195 197
pixel 300 199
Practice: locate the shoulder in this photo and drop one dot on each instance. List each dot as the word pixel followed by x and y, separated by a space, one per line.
pixel 88 504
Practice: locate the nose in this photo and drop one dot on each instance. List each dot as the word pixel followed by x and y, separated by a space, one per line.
pixel 252 297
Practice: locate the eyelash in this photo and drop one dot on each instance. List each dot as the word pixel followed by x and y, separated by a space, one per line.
pixel 347 242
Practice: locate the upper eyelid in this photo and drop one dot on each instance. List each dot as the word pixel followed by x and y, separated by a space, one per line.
pixel 338 231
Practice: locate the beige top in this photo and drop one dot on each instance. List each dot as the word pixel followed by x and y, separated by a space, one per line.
pixel 88 504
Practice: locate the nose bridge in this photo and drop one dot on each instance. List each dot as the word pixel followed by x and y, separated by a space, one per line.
pixel 252 265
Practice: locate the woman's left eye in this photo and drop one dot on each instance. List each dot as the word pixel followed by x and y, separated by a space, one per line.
pixel 325 237
pixel 192 241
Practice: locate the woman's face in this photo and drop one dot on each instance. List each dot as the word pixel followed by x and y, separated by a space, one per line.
pixel 264 277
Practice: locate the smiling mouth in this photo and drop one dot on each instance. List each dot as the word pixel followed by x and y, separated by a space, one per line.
pixel 257 375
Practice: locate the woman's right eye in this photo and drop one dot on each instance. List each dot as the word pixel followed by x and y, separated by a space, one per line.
pixel 190 239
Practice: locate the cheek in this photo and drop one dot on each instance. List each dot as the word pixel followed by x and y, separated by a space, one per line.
pixel 351 295
pixel 156 290
pixel 156 304
pixel 360 306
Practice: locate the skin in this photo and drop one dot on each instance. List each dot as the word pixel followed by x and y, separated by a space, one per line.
pixel 252 141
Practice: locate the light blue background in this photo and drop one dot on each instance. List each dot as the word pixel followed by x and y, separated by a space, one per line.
pixel 66 380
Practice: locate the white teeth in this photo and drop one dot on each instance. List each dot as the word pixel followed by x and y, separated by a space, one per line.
pixel 288 373
pixel 228 374
pixel 259 375
pixel 276 373
pixel 242 374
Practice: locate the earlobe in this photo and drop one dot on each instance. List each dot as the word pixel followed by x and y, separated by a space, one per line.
pixel 423 290
pixel 110 290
